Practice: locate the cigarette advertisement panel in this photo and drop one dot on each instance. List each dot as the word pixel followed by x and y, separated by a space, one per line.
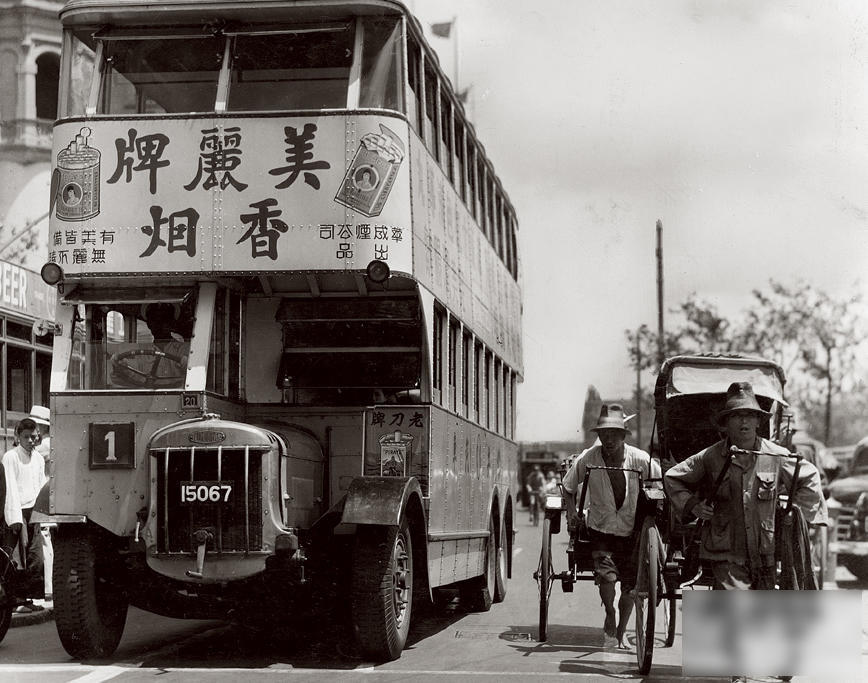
pixel 215 194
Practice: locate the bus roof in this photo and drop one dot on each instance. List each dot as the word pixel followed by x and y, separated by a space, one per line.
pixel 172 11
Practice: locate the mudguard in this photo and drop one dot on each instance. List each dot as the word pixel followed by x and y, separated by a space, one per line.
pixel 378 500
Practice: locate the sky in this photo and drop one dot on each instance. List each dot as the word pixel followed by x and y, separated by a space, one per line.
pixel 742 126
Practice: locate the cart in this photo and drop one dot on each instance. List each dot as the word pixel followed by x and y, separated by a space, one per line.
pixel 650 589
pixel 15 588
pixel 689 393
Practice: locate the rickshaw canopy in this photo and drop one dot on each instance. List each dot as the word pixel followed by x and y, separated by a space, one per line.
pixel 691 390
pixel 694 375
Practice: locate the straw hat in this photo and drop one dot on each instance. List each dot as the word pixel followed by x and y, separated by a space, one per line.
pixel 611 417
pixel 40 415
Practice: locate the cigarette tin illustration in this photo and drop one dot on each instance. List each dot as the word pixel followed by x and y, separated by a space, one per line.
pixel 369 179
pixel 75 190
pixel 394 453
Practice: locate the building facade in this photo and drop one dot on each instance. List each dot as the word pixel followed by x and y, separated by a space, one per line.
pixel 30 39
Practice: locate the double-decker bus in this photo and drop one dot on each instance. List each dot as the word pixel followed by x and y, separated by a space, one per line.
pixel 287 336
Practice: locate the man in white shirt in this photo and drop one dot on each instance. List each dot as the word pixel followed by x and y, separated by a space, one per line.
pixel 25 476
pixel 42 417
pixel 611 498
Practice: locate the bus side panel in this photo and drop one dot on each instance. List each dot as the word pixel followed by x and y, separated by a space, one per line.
pixel 468 465
pixel 455 261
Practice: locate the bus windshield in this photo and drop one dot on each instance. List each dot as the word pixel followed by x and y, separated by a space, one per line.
pixel 330 65
pixel 132 343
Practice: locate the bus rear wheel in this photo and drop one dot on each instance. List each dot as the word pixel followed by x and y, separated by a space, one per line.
pixel 90 611
pixel 477 593
pixel 382 602
pixel 502 562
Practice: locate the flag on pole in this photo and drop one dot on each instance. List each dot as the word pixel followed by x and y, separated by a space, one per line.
pixel 443 29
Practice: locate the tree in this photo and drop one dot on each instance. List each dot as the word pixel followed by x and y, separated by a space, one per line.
pixel 17 241
pixel 703 330
pixel 808 331
pixel 814 337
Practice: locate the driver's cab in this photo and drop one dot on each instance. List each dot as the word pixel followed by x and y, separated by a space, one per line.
pixel 132 339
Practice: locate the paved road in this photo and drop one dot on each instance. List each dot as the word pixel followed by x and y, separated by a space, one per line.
pixel 449 645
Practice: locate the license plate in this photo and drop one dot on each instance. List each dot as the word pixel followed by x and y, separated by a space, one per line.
pixel 200 492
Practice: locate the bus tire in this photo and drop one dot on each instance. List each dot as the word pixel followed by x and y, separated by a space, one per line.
pixel 90 612
pixel 382 584
pixel 502 563
pixel 477 593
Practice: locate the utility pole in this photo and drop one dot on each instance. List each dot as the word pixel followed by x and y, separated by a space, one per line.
pixel 660 342
pixel 639 387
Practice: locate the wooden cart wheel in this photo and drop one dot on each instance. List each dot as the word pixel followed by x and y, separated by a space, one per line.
pixel 670 613
pixel 544 579
pixel 647 577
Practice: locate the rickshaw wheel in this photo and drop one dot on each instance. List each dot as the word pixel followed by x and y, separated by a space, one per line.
pixel 544 579
pixel 647 577
pixel 5 618
pixel 671 613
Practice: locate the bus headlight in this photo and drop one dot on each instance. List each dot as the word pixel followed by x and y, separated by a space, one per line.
pixel 51 273
pixel 378 271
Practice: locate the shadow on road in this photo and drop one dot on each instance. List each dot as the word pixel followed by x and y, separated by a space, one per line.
pixel 323 641
pixel 591 656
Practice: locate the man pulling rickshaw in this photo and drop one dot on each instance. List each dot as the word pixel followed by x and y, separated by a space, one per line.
pixel 612 497
pixel 738 533
pixel 735 509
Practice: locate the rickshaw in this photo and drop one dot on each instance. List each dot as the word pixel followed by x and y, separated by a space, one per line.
pixel 690 391
pixel 15 588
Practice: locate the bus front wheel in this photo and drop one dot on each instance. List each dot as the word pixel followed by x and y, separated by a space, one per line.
pixel 382 602
pixel 90 610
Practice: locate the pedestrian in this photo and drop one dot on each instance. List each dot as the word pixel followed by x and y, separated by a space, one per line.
pixel 25 476
pixel 551 482
pixel 738 538
pixel 535 485
pixel 42 417
pixel 611 500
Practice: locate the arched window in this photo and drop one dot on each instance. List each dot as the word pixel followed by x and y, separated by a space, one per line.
pixel 47 79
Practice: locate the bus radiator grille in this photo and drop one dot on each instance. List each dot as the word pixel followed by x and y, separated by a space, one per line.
pixel 237 522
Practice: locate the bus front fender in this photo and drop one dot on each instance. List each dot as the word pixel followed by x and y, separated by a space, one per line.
pixel 379 500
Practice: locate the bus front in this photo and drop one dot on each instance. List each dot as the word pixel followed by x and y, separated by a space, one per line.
pixel 230 236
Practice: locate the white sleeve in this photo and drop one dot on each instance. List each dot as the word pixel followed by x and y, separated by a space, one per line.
pixel 12 509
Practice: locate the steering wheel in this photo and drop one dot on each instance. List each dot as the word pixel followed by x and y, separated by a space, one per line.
pixel 148 378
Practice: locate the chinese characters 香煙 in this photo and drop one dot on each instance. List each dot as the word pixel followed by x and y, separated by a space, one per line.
pixel 218 164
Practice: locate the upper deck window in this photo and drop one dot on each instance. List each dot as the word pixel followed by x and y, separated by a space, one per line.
pixel 306 67
pixel 381 65
pixel 160 74
pixel 328 65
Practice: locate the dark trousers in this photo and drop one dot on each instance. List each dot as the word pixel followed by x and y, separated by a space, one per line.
pixel 27 546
